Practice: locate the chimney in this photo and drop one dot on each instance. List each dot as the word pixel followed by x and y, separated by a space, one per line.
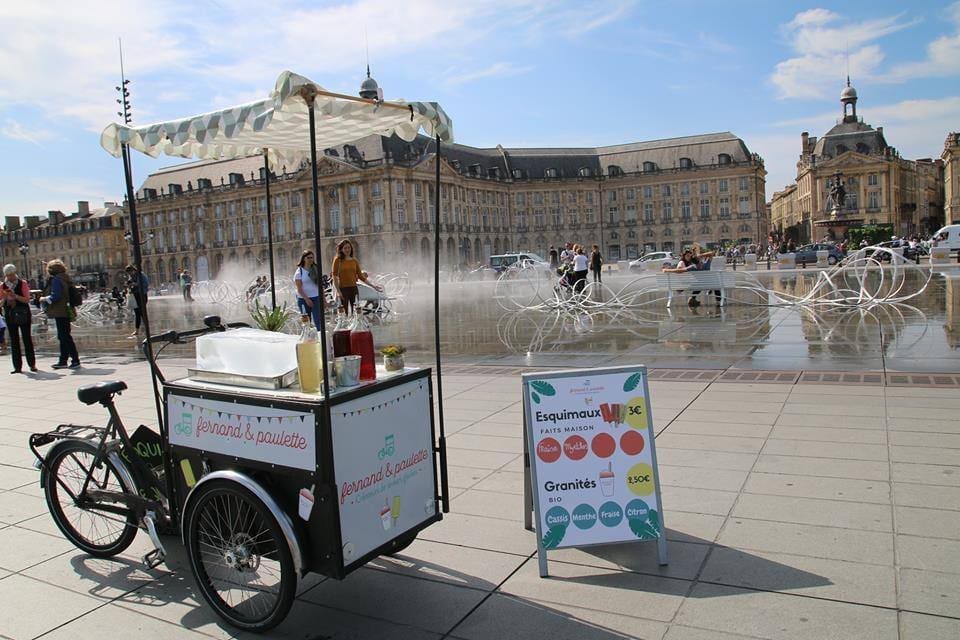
pixel 56 217
pixel 804 141
pixel 83 207
pixel 880 130
pixel 31 221
pixel 12 223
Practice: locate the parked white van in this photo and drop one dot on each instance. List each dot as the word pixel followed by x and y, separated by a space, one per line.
pixel 952 234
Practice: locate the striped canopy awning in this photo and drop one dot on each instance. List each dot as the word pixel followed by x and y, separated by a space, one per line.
pixel 280 125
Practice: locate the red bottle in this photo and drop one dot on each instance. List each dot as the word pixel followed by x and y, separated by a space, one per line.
pixel 361 344
pixel 341 337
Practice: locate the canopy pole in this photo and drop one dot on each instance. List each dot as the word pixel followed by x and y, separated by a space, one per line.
pixel 137 264
pixel 444 485
pixel 309 94
pixel 266 182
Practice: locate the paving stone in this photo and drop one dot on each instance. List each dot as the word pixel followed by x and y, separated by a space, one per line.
pixel 702 478
pixel 684 558
pixel 837 410
pixel 718 416
pixel 817 487
pixel 808 540
pixel 13 477
pixel 930 592
pixel 679 632
pixel 785 573
pixel 918 439
pixel 29 597
pixel 504 616
pixel 599 589
pixel 745 430
pixel 925 495
pixel 934 523
pixel 427 604
pixel 708 443
pixel 94 626
pixel 465 477
pixel 706 459
pixel 829 421
pixel 916 626
pixel 15 507
pixel 930 554
pixel 479 459
pixel 829 434
pixel 926 474
pixel 925 455
pixel 823 467
pixel 491 504
pixel 923 425
pixel 481 533
pixel 834 513
pixel 20 548
pixel 697 500
pixel 452 564
pixel 818 448
pixel 774 615
pixel 486 443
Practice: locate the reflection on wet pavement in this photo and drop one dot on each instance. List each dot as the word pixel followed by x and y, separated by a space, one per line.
pixel 920 336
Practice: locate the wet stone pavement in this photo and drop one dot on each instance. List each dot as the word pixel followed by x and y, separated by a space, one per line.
pixel 793 510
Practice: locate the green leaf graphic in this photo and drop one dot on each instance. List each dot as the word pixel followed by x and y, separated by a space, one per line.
pixel 553 536
pixel 535 397
pixel 545 388
pixel 632 382
pixel 646 528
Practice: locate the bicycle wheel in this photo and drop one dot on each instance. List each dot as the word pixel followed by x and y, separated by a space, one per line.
pixel 98 533
pixel 239 556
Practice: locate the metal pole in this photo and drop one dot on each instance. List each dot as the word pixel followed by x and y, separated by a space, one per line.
pixel 444 488
pixel 310 96
pixel 135 235
pixel 266 182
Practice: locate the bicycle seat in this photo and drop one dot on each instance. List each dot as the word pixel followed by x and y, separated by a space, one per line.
pixel 96 392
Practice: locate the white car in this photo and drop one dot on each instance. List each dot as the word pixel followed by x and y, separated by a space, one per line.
pixel 659 258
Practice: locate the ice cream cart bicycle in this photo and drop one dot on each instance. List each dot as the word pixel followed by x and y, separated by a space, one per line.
pixel 264 485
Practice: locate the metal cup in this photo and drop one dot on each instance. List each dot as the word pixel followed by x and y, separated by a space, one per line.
pixel 347 371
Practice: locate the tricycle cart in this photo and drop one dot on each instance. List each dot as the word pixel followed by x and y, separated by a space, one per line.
pixel 264 485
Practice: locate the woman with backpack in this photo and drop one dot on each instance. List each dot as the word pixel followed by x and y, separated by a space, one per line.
pixel 15 300
pixel 58 296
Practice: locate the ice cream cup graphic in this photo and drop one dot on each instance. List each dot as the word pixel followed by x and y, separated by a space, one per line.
pixel 606 480
pixel 385 517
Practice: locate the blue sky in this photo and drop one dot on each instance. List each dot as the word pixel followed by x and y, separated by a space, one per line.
pixel 513 72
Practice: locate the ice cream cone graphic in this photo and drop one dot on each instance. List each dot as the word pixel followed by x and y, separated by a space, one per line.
pixel 607 480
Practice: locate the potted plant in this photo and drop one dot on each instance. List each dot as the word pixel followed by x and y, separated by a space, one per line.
pixel 270 319
pixel 393 357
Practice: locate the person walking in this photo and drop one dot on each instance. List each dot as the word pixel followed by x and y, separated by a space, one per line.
pixel 187 282
pixel 346 272
pixel 596 263
pixel 554 258
pixel 15 301
pixel 580 268
pixel 307 281
pixel 138 290
pixel 57 298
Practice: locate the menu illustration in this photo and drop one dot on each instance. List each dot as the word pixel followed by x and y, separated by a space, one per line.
pixel 592 456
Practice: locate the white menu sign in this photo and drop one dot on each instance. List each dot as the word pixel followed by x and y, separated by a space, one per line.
pixel 383 465
pixel 265 434
pixel 592 457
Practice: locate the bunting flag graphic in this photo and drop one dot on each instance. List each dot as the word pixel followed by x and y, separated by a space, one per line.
pixel 186 406
pixel 381 405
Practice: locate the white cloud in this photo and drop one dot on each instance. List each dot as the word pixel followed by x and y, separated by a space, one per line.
pixel 496 70
pixel 824 43
pixel 16 131
pixel 943 55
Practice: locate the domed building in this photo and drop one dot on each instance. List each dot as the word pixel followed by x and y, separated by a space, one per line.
pixel 851 177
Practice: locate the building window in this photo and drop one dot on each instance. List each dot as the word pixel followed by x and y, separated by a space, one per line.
pixel 399 188
pixel 278 203
pixel 354 217
pixel 538 198
pixel 375 190
pixel 417 189
pixel 685 210
pixel 247 230
pixel 631 213
pixel 418 212
pixel 631 194
pixel 685 189
pixel 353 192
pixel 263 204
pixel 588 215
pixel 247 207
pixel 589 197
pixel 378 214
pixel 611 196
pixel 874 200
pixel 872 180
pixel 232 209
pixel 521 199
pixel 722 186
pixel 297 224
pixel 401 214
pixel 704 187
pixel 743 205
pixel 724 207
pixel 665 190
pixel 704 208
pixel 744 184
pixel 614 215
pixel 295 200
pixel 648 192
pixel 335 219
pixel 648 213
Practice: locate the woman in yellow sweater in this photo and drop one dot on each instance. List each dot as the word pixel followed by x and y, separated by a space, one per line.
pixel 346 271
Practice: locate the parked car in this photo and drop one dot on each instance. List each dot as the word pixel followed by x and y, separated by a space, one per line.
pixel 661 258
pixel 526 259
pixel 808 253
pixel 949 236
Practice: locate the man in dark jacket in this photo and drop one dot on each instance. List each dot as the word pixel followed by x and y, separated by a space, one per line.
pixel 57 299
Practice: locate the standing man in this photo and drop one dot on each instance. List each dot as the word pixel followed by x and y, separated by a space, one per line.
pixel 186 282
pixel 138 289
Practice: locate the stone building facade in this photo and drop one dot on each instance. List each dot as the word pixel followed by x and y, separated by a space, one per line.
pixel 628 199
pixel 951 178
pixel 89 241
pixel 881 187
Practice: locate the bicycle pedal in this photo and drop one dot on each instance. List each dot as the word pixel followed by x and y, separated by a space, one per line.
pixel 154 558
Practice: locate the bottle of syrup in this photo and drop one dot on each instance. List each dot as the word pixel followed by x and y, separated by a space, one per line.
pixel 341 336
pixel 308 357
pixel 361 344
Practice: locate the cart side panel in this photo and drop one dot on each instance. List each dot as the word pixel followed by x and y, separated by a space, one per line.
pixel 384 468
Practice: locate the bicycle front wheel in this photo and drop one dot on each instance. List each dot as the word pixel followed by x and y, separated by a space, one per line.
pixel 97 532
pixel 239 556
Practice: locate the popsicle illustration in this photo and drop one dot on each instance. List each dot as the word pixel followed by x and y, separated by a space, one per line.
pixel 385 517
pixel 395 509
pixel 605 412
pixel 606 480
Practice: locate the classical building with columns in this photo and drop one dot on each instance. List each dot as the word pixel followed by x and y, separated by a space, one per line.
pixel 628 199
pixel 951 178
pixel 881 187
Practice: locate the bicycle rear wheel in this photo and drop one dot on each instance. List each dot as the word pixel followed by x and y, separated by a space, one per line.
pixel 239 556
pixel 96 532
